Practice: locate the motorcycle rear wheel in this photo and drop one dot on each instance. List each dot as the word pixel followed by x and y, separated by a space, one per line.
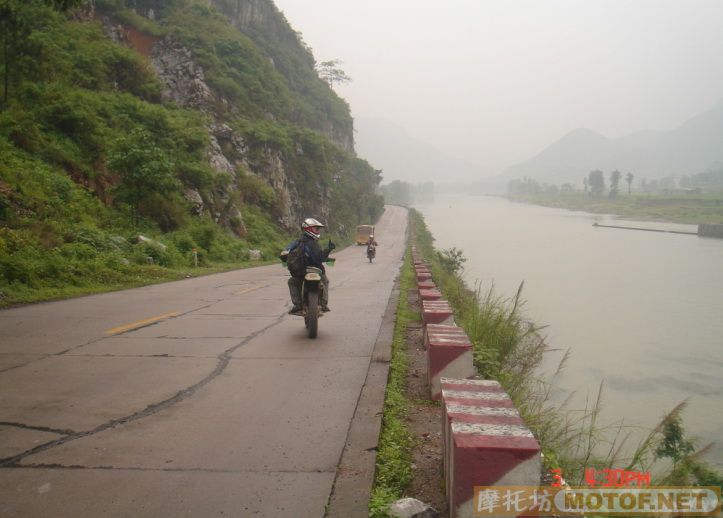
pixel 312 314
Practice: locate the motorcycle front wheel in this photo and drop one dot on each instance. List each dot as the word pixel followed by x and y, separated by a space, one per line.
pixel 312 313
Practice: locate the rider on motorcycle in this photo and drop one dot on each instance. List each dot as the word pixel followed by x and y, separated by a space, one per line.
pixel 314 256
pixel 371 244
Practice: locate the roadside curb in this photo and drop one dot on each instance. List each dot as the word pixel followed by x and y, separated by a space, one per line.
pixel 355 472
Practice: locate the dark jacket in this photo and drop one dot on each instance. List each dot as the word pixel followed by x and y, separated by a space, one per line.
pixel 313 253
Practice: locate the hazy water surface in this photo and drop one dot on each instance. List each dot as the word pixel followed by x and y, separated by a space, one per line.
pixel 641 310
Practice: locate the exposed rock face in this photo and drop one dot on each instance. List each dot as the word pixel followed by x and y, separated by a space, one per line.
pixel 193 197
pixel 222 133
pixel 275 174
pixel 228 152
pixel 115 31
pixel 184 83
pixel 258 13
pixel 86 12
pixel 146 8
pixel 183 80
pixel 217 159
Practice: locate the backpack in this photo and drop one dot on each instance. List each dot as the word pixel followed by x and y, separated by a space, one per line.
pixel 296 260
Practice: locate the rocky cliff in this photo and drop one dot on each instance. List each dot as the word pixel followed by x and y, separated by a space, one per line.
pixel 233 152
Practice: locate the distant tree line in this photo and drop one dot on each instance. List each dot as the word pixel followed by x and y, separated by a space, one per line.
pixel 594 183
pixel 596 186
pixel 711 178
pixel 530 186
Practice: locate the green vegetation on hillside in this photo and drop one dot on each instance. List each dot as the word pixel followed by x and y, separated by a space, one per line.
pixel 314 104
pixel 93 158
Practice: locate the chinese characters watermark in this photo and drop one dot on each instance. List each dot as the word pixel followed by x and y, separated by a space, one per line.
pixel 609 501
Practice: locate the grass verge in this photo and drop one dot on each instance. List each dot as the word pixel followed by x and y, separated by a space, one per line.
pixel 19 294
pixel 394 453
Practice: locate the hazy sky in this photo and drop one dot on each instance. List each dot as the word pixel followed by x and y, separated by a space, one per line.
pixel 494 82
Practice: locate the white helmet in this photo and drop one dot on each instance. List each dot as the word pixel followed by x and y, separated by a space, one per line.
pixel 312 228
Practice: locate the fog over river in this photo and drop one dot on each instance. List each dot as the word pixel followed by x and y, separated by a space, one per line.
pixel 642 311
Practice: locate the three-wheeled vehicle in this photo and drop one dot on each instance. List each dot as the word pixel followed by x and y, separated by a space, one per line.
pixel 362 234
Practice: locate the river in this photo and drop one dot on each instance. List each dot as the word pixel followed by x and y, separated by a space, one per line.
pixel 642 311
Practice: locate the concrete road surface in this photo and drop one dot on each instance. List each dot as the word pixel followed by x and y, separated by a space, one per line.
pixel 199 397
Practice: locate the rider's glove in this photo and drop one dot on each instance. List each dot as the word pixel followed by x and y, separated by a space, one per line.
pixel 284 256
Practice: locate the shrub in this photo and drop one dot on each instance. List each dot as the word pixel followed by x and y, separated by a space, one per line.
pixel 256 191
pixel 452 260
pixel 168 257
pixel 78 251
pixel 17 269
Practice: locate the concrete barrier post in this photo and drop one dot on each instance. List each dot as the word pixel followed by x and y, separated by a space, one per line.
pixel 423 276
pixel 449 355
pixel 437 312
pixel 430 294
pixel 443 330
pixel 486 443
pixel 426 285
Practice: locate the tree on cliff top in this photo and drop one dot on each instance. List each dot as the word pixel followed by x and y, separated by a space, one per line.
pixel 330 72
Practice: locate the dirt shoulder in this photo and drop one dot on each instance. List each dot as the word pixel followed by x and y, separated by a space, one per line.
pixel 424 419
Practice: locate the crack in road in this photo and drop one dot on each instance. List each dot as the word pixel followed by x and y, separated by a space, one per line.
pixel 223 361
pixel 37 428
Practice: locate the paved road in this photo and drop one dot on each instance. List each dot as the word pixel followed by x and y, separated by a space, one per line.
pixel 193 398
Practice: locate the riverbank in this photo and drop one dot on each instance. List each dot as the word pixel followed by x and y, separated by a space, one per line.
pixel 690 209
pixel 509 348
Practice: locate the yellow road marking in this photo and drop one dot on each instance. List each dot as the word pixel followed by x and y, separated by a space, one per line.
pixel 248 290
pixel 140 323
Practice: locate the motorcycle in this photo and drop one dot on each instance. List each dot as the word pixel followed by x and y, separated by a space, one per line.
pixel 312 290
pixel 371 252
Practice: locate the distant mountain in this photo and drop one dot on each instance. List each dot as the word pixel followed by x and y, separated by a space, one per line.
pixel 402 157
pixel 688 149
